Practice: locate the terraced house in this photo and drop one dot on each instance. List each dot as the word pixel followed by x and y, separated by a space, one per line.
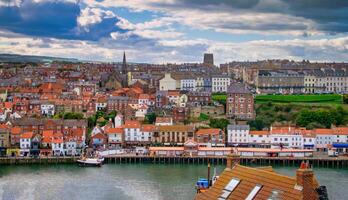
pixel 173 135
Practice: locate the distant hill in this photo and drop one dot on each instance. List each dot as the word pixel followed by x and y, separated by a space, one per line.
pixel 16 58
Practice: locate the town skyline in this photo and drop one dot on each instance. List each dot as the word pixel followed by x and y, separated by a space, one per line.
pixel 175 31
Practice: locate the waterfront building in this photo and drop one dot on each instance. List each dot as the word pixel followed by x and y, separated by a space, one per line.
pixel 115 137
pixel 242 182
pixel 4 138
pixel 25 143
pixel 70 147
pixel 289 137
pixel 99 140
pixel 174 134
pixel 240 102
pixel 210 137
pixel 238 135
pixel 132 133
pixel 147 131
pixel 57 144
pixel 260 139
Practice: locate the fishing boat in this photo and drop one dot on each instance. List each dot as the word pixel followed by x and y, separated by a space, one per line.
pixel 97 161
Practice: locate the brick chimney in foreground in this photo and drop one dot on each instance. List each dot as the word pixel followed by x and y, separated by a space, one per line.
pixel 232 160
pixel 305 179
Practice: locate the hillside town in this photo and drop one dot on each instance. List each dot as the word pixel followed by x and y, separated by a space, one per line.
pixel 62 108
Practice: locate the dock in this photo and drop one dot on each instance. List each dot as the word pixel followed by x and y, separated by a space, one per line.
pixel 338 162
pixel 328 162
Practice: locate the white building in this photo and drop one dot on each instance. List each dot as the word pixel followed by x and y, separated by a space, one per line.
pixel 58 145
pixel 115 137
pixel 25 143
pixel 144 99
pixel 188 84
pixel 220 83
pixel 47 109
pixel 147 131
pixel 118 120
pixel 289 137
pixel 167 83
pixel 70 146
pixel 238 135
pixel 259 139
pixel 132 133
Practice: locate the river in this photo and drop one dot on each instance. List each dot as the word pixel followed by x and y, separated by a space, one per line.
pixel 127 181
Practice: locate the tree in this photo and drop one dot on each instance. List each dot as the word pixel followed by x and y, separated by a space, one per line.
pixel 345 98
pixel 219 123
pixel 256 124
pixel 203 117
pixel 150 118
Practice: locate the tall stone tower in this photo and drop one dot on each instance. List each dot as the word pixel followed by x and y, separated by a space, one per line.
pixel 208 59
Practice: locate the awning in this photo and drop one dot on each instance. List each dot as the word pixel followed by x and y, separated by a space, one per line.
pixel 308 145
pixel 340 145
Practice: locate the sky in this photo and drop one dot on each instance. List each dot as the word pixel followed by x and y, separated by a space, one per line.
pixel 176 31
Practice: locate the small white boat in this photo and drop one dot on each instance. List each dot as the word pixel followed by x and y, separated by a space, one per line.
pixel 91 162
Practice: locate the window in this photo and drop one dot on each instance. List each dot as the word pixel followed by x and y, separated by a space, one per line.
pixel 229 188
pixel 253 192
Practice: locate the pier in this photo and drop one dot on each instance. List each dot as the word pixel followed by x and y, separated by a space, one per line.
pixel 338 162
pixel 341 162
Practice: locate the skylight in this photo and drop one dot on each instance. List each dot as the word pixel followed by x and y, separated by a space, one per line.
pixel 254 192
pixel 229 188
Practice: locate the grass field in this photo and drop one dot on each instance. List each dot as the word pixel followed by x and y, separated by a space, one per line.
pixel 323 99
pixel 219 98
pixel 318 98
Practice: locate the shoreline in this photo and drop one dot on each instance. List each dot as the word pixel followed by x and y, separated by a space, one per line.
pixel 332 162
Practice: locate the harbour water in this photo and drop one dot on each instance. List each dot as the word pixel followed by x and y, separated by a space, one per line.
pixel 127 181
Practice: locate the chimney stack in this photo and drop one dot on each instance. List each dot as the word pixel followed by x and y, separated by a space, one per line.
pixel 305 179
pixel 232 160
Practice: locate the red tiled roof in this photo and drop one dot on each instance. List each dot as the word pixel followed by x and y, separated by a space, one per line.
pixel 148 128
pixel 114 131
pixel 210 131
pixel 27 135
pixel 132 124
pixel 16 130
pixel 144 96
pixel 259 132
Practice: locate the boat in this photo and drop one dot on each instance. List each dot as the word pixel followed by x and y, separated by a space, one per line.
pixel 97 161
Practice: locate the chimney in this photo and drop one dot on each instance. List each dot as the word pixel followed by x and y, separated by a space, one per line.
pixel 304 179
pixel 232 160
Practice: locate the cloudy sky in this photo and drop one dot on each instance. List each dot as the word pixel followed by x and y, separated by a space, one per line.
pixel 161 31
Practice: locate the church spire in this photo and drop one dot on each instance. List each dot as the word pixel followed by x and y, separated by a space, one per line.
pixel 124 64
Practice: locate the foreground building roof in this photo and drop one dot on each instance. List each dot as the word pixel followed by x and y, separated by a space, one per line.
pixel 241 182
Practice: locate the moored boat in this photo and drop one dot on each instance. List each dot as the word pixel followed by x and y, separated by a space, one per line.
pixel 98 162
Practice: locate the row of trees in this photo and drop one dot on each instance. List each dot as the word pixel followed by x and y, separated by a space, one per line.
pixel 305 116
pixel 322 118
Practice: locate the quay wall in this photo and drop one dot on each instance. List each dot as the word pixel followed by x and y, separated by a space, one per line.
pixel 113 159
pixel 41 160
